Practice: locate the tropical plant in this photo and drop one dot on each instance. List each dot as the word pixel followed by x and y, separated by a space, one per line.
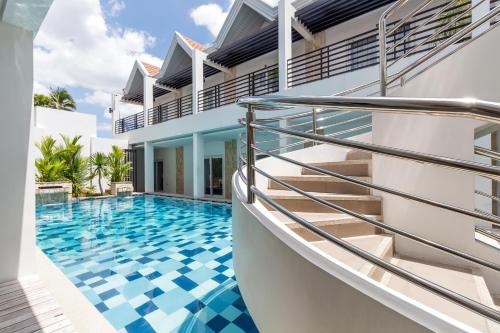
pixel 117 167
pixel 61 99
pixel 449 15
pixel 49 166
pixel 99 163
pixel 41 100
pixel 75 166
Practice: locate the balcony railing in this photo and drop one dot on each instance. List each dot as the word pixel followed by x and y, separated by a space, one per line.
pixel 171 110
pixel 262 82
pixel 362 51
pixel 129 123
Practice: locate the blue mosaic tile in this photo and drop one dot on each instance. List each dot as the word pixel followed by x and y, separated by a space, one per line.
pixel 148 263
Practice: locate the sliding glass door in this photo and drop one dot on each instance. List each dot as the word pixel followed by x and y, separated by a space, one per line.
pixel 214 176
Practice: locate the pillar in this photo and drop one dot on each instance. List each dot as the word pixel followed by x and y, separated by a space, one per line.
pixel 17 193
pixel 197 73
pixel 148 97
pixel 286 12
pixel 149 166
pixel 198 165
pixel 479 12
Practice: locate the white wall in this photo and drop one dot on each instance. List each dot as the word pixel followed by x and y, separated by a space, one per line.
pixel 17 192
pixel 470 72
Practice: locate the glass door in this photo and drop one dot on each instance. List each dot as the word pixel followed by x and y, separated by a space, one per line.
pixel 214 176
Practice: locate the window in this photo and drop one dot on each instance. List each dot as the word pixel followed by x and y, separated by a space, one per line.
pixel 364 52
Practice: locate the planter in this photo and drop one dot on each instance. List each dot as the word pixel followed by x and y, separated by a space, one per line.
pixel 52 192
pixel 122 188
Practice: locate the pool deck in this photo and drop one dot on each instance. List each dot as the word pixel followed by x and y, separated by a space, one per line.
pixel 26 305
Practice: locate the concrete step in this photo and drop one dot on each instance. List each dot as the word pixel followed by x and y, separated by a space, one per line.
pixel 378 245
pixel 463 281
pixel 340 225
pixel 358 155
pixel 319 183
pixel 363 204
pixel 360 168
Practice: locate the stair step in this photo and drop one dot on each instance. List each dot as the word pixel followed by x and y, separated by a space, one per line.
pixel 358 155
pixel 379 245
pixel 340 225
pixel 360 168
pixel 320 183
pixel 363 204
pixel 463 281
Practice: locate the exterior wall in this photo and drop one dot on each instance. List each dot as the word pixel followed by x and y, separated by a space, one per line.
pixel 17 193
pixel 468 72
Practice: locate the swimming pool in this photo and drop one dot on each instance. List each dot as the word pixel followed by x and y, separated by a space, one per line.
pixel 148 263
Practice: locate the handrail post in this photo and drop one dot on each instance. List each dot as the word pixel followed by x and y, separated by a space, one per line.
pixel 383 56
pixel 250 118
pixel 314 123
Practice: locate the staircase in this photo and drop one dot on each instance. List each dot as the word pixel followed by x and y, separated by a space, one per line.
pixel 369 238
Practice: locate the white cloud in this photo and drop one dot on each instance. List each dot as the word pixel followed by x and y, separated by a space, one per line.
pixel 116 6
pixel 212 15
pixel 82 51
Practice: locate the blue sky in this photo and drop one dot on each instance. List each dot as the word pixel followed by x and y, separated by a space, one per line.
pixel 91 50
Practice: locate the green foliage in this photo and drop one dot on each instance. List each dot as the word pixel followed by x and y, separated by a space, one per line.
pixel 99 164
pixel 49 166
pixel 61 99
pixel 117 167
pixel 58 98
pixel 449 15
pixel 41 100
pixel 76 167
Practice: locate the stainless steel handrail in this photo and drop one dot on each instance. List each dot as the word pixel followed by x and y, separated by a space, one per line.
pixel 467 108
pixel 487 153
pixel 456 107
pixel 411 277
pixel 384 79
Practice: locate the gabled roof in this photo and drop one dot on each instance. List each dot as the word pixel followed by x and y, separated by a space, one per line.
pixel 244 17
pixel 180 47
pixel 152 70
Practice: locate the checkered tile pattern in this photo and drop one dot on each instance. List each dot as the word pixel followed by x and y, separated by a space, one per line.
pixel 148 263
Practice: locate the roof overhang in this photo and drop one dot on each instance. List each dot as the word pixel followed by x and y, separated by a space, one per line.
pixel 27 14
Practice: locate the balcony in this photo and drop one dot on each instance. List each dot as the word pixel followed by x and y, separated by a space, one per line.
pixel 177 108
pixel 129 123
pixel 262 82
pixel 429 28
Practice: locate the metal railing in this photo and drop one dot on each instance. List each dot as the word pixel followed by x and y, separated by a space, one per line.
pixel 445 29
pixel 362 50
pixel 177 108
pixel 262 82
pixel 129 123
pixel 465 108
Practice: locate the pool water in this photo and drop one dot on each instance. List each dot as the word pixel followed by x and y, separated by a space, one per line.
pixel 149 263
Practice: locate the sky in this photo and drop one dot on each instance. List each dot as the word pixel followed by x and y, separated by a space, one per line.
pixel 89 46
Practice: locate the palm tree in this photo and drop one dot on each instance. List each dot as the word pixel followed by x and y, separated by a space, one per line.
pixel 75 165
pixel 49 166
pixel 117 167
pixel 41 100
pixel 99 163
pixel 61 99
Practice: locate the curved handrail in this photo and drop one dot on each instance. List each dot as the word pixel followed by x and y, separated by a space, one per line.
pixel 455 107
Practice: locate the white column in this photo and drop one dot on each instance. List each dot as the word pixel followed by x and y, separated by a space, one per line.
pixel 197 73
pixel 17 176
pixel 148 96
pixel 115 110
pixel 286 12
pixel 479 12
pixel 198 165
pixel 149 158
